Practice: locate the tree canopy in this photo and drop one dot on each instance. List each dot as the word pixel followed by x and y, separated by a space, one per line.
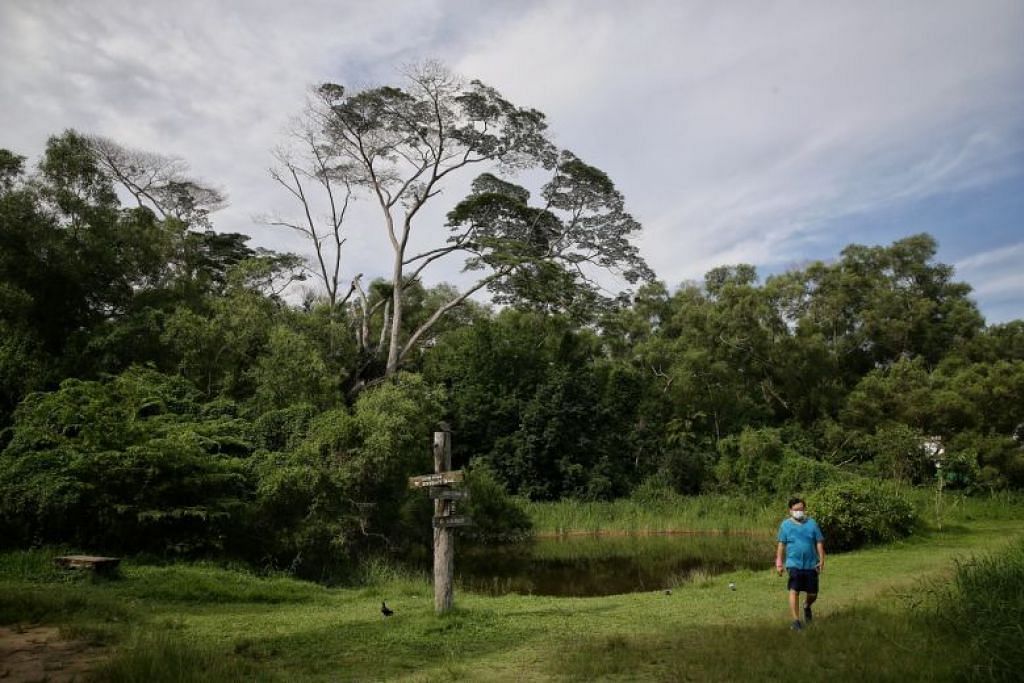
pixel 159 393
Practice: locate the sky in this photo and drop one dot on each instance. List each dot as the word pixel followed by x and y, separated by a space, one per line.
pixel 739 131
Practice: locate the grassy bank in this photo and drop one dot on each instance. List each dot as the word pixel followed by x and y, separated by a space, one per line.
pixel 199 622
pixel 740 514
pixel 717 513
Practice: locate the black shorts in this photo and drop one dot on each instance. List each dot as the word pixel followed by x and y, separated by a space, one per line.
pixel 803 580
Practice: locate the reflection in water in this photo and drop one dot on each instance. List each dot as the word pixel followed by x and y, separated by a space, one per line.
pixel 587 566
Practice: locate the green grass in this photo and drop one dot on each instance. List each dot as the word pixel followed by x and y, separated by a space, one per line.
pixel 887 613
pixel 876 621
pixel 163 657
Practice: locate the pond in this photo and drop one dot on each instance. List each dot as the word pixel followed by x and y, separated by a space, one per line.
pixel 579 566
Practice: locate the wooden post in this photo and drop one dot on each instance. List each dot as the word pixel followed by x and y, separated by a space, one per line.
pixel 441 485
pixel 444 537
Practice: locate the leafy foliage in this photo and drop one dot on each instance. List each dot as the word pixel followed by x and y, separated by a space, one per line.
pixel 159 393
pixel 497 517
pixel 860 513
pixel 342 487
pixel 129 463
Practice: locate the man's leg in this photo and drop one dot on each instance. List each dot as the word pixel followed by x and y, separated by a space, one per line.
pixel 794 605
pixel 811 597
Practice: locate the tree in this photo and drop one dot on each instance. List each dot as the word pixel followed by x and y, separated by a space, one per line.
pixel 130 463
pixel 877 304
pixel 159 182
pixel 545 256
pixel 534 398
pixel 69 254
pixel 400 146
pixel 311 164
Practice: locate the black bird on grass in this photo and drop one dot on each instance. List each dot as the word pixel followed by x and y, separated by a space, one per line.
pixel 385 610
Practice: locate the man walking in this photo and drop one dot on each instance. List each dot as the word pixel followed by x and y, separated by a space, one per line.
pixel 802 545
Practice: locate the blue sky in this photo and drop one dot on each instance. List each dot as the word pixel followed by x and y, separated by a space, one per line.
pixel 749 131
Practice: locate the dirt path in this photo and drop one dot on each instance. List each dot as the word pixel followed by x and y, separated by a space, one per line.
pixel 38 653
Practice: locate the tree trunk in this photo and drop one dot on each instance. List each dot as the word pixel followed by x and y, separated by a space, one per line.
pixel 394 344
pixel 444 537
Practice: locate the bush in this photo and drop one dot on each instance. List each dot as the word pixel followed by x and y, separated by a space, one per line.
pixel 497 516
pixel 656 491
pixel 798 473
pixel 758 460
pixel 853 514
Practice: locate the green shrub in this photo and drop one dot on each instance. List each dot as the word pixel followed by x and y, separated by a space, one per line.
pixel 857 513
pixel 497 516
pixel 655 491
pixel 798 473
pixel 758 460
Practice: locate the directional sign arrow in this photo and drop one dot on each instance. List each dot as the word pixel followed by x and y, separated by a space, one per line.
pixel 438 479
pixel 452 521
pixel 444 493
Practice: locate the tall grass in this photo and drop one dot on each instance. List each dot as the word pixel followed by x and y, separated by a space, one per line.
pixel 707 512
pixel 984 607
pixel 35 566
pixel 733 513
pixel 952 508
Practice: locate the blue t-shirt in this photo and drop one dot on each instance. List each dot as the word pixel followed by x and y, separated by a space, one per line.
pixel 801 540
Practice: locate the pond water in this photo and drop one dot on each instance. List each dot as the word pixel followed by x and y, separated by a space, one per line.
pixel 579 566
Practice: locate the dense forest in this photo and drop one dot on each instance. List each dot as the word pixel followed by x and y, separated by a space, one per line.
pixel 163 390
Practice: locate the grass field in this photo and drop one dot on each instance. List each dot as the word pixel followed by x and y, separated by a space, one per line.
pixel 880 618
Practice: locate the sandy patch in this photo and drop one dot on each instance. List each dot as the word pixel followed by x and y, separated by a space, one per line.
pixel 38 653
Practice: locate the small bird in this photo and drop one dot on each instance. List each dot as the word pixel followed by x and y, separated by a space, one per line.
pixel 668 591
pixel 385 610
pixel 732 586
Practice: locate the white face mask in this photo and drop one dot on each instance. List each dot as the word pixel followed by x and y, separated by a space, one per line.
pixel 797 514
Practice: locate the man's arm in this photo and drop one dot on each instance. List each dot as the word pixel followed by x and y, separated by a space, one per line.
pixel 821 556
pixel 780 552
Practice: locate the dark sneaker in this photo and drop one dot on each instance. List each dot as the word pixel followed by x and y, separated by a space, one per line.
pixel 808 615
pixel 797 626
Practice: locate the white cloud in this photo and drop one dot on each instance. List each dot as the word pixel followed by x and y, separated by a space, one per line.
pixel 997 275
pixel 738 131
pixel 738 127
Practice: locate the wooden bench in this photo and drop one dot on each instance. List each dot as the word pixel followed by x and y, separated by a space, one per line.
pixel 105 566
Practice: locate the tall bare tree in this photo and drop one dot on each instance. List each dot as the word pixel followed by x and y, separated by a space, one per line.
pixel 161 183
pixel 310 170
pixel 400 146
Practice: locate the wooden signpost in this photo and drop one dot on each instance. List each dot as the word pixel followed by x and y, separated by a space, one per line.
pixel 445 520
